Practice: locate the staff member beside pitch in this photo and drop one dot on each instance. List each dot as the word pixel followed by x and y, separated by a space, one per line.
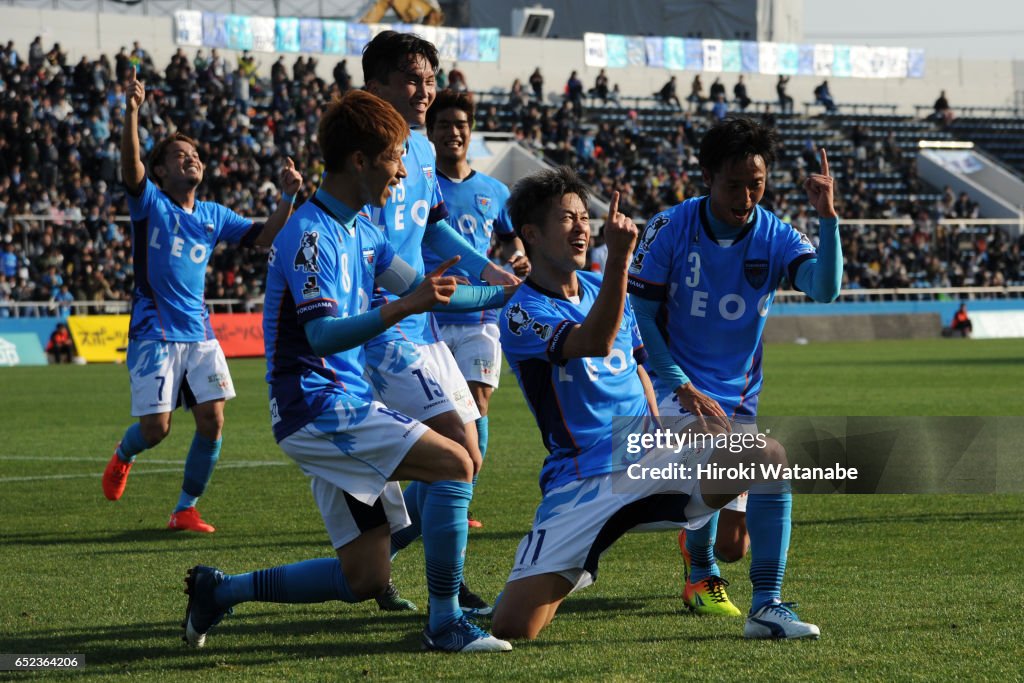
pixel 173 357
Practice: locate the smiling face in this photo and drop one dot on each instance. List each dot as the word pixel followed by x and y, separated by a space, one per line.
pixel 560 243
pixel 180 167
pixel 381 174
pixel 736 188
pixel 450 135
pixel 410 90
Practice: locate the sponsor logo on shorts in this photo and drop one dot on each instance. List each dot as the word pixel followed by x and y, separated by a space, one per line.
pixel 219 379
pixel 486 366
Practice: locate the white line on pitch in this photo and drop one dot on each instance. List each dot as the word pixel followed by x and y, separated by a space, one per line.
pixel 143 460
pixel 97 475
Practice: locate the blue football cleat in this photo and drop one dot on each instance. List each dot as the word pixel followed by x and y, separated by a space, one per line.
pixel 462 635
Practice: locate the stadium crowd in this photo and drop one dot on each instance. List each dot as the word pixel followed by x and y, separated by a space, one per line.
pixel 60 194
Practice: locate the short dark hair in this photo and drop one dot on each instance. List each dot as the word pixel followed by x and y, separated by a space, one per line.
pixel 449 99
pixel 735 138
pixel 531 197
pixel 159 151
pixel 358 121
pixel 391 51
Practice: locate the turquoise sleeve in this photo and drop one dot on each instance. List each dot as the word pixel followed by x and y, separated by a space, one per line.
pixel 445 241
pixel 821 278
pixel 659 358
pixel 329 334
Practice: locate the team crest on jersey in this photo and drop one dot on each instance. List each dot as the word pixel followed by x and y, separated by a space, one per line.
pixel 209 228
pixel 368 255
pixel 517 319
pixel 484 202
pixel 756 272
pixel 428 172
pixel 310 289
pixel 646 240
pixel 272 256
pixel 308 253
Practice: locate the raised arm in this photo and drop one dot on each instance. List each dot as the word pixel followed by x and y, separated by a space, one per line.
pixel 133 172
pixel 596 335
pixel 290 181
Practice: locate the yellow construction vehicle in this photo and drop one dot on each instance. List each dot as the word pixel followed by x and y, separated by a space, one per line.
pixel 409 11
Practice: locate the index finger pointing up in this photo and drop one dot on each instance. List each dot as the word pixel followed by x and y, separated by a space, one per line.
pixel 824 162
pixel 613 208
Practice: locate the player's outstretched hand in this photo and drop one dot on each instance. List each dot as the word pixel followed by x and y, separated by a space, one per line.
pixel 620 233
pixel 290 179
pixel 135 92
pixel 493 275
pixel 819 189
pixel 703 407
pixel 436 288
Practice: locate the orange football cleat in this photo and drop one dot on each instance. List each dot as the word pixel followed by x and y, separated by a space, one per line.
pixel 115 476
pixel 189 520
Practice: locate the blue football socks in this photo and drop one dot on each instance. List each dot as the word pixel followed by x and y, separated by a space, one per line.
pixel 445 530
pixel 700 544
pixel 481 430
pixel 132 443
pixel 308 581
pixel 202 458
pixel 769 524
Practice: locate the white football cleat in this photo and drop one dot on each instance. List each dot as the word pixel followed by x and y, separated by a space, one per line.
pixel 778 621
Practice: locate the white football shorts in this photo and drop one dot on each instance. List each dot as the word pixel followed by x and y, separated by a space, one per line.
pixel 165 375
pixel 576 523
pixel 419 380
pixel 670 407
pixel 350 452
pixel 477 351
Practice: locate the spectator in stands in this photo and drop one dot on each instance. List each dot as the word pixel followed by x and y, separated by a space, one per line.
pixel 720 108
pixel 537 83
pixel 785 101
pixel 696 96
pixel 342 78
pixel 457 79
pixel 667 95
pixel 441 78
pixel 961 325
pixel 615 95
pixel 823 97
pixel 574 91
pixel 942 111
pixel 716 89
pixel 517 98
pixel 600 88
pixel 60 348
pixel 739 93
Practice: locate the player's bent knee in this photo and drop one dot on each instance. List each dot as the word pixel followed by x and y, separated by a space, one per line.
pixel 367 585
pixel 774 453
pixel 508 625
pixel 449 425
pixel 730 550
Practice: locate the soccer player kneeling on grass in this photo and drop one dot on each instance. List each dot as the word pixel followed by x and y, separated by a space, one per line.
pixel 323 268
pixel 571 340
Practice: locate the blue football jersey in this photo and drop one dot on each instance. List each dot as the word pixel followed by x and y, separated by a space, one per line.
pixel 476 208
pixel 575 399
pixel 413 203
pixel 715 298
pixel 170 250
pixel 321 264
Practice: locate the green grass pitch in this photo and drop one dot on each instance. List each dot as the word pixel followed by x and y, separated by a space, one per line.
pixel 903 587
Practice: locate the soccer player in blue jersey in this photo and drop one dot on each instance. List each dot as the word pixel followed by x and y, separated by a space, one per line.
pixel 323 268
pixel 572 342
pixel 173 357
pixel 702 283
pixel 476 206
pixel 410 367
